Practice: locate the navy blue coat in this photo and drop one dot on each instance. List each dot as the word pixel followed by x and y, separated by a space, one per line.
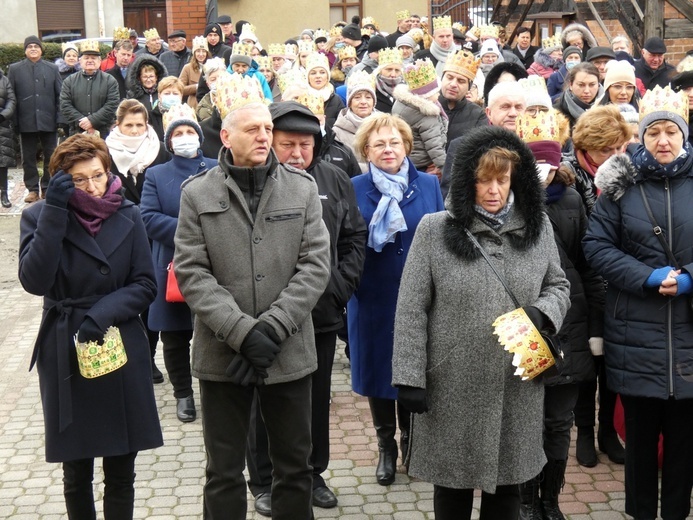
pixel 371 311
pixel 110 279
pixel 37 87
pixel 648 337
pixel 160 206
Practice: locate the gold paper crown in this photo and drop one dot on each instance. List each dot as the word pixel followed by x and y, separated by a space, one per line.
pixel 542 126
pixel 463 62
pixel 248 27
pixel 519 336
pixel 442 22
pixel 151 33
pixel 335 32
pixel 276 49
pixel 315 60
pixel 420 74
pixel 199 42
pixel 69 45
pixel 416 34
pixel 320 33
pixel 346 52
pixel 306 46
pixel 235 91
pixel 365 32
pixel 664 100
pixel 290 50
pixel 91 46
pixel 460 27
pixel 369 20
pixel 389 56
pixel 263 62
pixel 359 80
pixel 177 112
pixel 552 42
pixel 488 31
pixel 242 49
pixel 292 77
pixel 121 33
pixel 402 15
pixel 96 360
pixel 316 104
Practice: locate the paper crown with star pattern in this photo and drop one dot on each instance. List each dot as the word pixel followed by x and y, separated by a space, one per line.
pixel 463 62
pixel 402 15
pixel 121 33
pixel 552 42
pixel 389 56
pixel 199 42
pixel 488 31
pixel 369 20
pixel 315 104
pixel 664 104
pixel 306 46
pixel 290 78
pixel 421 77
pixel 235 91
pixel 542 126
pixel 263 62
pixel 442 22
pixel 89 47
pixel 346 52
pixel 150 34
pixel 320 34
pixel 242 49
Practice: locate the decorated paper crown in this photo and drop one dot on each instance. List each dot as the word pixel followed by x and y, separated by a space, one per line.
pixel 519 336
pixel 306 46
pixel 89 47
pixel 335 32
pixel 488 31
pixel 235 91
pixel 421 77
pixel 96 359
pixel 365 31
pixel 460 27
pixel 178 111
pixel 542 126
pixel 346 52
pixel 320 33
pixel 463 62
pixel 292 77
pixel 248 27
pixel 416 34
pixel 369 20
pixel 290 51
pixel 664 100
pixel 317 59
pixel 69 46
pixel 442 22
pixel 263 62
pixel 359 80
pixel 402 15
pixel 121 33
pixel 552 42
pixel 242 49
pixel 277 49
pixel 315 104
pixel 151 34
pixel 199 42
pixel 389 56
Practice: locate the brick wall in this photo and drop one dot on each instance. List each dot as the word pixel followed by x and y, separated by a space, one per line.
pixel 188 15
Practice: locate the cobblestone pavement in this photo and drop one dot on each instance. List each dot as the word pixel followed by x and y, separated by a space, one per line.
pixel 169 479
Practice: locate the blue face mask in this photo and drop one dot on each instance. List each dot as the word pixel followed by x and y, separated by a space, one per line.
pixel 169 100
pixel 339 45
pixel 570 64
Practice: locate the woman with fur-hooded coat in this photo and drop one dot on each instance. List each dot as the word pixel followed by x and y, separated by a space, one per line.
pixel 483 427
pixel 428 123
pixel 148 97
pixel 544 64
pixel 569 33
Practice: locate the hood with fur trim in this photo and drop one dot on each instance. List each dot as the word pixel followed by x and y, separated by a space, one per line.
pixel 423 105
pixel 528 190
pixel 586 35
pixel 615 176
pixel 132 81
pixel 545 60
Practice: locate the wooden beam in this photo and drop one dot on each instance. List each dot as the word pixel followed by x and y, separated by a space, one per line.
pixel 680 28
pixel 629 24
pixel 636 6
pixel 685 7
pixel 523 15
pixel 654 18
pixel 599 19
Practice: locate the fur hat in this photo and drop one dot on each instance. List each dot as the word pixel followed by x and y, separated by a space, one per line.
pixel 178 115
pixel 617 72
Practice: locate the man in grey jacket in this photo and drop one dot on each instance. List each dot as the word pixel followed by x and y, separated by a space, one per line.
pixel 252 259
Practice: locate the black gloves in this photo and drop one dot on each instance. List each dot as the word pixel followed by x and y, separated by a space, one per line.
pixel 259 347
pixel 267 330
pixel 60 189
pixel 413 399
pixel 537 317
pixel 89 330
pixel 242 372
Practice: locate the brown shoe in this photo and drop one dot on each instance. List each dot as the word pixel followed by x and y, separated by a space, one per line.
pixel 32 197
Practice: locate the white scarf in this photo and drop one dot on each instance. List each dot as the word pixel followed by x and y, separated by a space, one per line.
pixel 132 155
pixel 325 92
pixel 441 55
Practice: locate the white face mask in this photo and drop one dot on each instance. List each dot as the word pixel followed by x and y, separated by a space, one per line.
pixel 186 145
pixel 543 171
pixel 168 100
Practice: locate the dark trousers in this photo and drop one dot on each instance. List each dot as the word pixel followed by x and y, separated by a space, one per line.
pixel 285 408
pixel 645 419
pixel 177 360
pixel 29 142
pixel 456 504
pixel 119 488
pixel 585 406
pixel 3 179
pixel 259 467
pixel 559 401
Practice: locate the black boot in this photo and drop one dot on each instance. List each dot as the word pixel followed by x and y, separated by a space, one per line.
pixel 551 485
pixel 609 444
pixel 4 199
pixel 404 443
pixel 530 504
pixel 384 421
pixel 585 452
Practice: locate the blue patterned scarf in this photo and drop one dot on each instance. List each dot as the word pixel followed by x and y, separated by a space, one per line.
pixel 388 219
pixel 645 163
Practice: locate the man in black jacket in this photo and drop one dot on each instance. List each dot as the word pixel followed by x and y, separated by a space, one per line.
pixel 403 26
pixel 296 141
pixel 652 69
pixel 524 48
pixel 178 54
pixel 37 84
pixel 123 56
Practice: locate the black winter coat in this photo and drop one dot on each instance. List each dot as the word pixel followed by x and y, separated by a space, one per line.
pixel 338 154
pixel 463 117
pixel 95 97
pixel 136 90
pixel 8 104
pixel 210 129
pixel 132 188
pixel 37 89
pixel 333 106
pixel 122 88
pixel 650 78
pixel 584 182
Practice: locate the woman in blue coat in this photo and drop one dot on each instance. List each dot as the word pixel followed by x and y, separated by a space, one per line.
pixel 393 197
pixel 85 250
pixel 160 207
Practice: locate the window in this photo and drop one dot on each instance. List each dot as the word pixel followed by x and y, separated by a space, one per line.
pixel 344 10
pixel 60 16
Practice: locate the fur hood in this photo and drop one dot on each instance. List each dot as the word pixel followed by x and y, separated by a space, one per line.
pixel 419 103
pixel 497 71
pixel 545 60
pixel 586 35
pixel 615 176
pixel 132 81
pixel 64 67
pixel 528 190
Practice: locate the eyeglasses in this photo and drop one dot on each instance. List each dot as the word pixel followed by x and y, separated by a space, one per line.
pixel 534 110
pixel 81 182
pixel 380 146
pixel 146 77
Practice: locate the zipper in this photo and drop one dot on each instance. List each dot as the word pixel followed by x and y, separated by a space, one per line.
pixel 670 325
pixel 251 194
pixel 285 216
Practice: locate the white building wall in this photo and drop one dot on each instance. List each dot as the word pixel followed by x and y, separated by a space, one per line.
pixel 18 20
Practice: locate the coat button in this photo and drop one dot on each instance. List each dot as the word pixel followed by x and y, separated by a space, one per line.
pixel 400 251
pixel 202 164
pixel 294 330
pixel 256 240
pixel 223 204
pixel 104 269
pixel 220 336
pixel 258 277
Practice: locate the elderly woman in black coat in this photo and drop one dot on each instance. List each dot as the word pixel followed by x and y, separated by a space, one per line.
pixel 8 104
pixel 85 250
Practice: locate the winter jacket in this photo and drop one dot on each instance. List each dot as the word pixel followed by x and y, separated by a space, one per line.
pixel 484 424
pixel 584 182
pixel 95 97
pixel 427 124
pixel 118 75
pixel 463 117
pixel 544 65
pixel 132 186
pixel 149 99
pixel 333 105
pixel 335 152
pixel 651 78
pixel 8 105
pixel 190 78
pixel 555 83
pixel 211 128
pixel 371 311
pixel 65 70
pixel 345 129
pixel 648 351
pixel 272 268
pixel 528 58
pixel 174 62
pixel 37 88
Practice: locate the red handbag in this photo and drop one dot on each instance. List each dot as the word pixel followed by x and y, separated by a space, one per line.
pixel 173 294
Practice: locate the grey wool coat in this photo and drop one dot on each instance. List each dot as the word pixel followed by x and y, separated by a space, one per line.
pixel 234 271
pixel 484 424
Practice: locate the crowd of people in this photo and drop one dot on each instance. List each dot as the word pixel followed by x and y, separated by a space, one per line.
pixel 248 204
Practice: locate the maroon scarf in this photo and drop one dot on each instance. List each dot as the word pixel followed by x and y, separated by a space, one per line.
pixel 91 211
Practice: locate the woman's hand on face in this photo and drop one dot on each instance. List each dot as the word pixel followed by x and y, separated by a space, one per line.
pixel 60 189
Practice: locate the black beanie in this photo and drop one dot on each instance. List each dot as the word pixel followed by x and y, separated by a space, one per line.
pixel 351 31
pixel 213 28
pixel 32 39
pixel 376 43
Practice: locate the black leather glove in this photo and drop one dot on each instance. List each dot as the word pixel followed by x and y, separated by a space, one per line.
pixel 259 349
pixel 537 317
pixel 413 398
pixel 267 330
pixel 242 373
pixel 60 189
pixel 89 330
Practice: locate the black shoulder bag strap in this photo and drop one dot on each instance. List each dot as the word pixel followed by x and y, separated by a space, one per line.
pixel 658 231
